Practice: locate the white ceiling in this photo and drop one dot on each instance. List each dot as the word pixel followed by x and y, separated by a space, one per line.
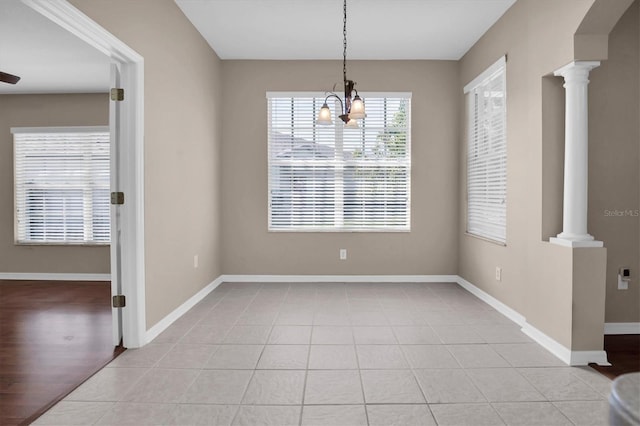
pixel 51 60
pixel 48 58
pixel 312 29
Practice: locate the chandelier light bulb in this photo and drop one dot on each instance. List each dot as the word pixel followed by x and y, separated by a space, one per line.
pixel 324 116
pixel 357 109
pixel 351 124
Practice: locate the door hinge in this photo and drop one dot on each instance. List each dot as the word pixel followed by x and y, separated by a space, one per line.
pixel 117 94
pixel 118 301
pixel 117 198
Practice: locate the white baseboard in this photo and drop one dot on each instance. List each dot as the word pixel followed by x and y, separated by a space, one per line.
pixel 622 328
pixel 563 353
pixel 548 343
pixel 341 278
pixel 34 276
pixel 566 355
pixel 560 351
pixel 588 357
pixel 165 322
pixel 492 301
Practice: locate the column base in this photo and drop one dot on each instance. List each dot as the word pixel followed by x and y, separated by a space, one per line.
pixel 566 242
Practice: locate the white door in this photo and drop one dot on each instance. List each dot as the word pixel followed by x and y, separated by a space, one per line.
pixel 116 222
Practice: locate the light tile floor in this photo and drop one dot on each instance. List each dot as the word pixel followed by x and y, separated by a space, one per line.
pixel 339 354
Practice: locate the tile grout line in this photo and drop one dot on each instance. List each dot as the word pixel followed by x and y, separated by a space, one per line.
pixel 455 359
pixel 306 373
pixel 266 342
pixel 355 349
pixel 413 373
pixel 203 316
pixel 200 321
pixel 239 405
pixel 97 421
pixel 201 369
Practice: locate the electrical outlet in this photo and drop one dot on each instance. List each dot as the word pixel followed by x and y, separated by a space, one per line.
pixel 195 261
pixel 624 276
pixel 343 254
pixel 622 283
pixel 498 273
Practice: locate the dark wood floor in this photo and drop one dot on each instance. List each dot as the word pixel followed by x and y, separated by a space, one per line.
pixel 623 352
pixel 53 336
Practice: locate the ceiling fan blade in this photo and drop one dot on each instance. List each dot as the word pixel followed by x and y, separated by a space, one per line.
pixel 9 78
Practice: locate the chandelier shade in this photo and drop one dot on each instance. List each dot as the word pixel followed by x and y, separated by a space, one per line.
pixel 357 109
pixel 351 124
pixel 324 116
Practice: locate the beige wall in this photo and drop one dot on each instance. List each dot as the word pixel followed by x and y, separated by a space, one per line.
pixel 592 36
pixel 542 281
pixel 41 111
pixel 614 175
pixel 430 247
pixel 588 311
pixel 200 173
pixel 537 36
pixel 181 150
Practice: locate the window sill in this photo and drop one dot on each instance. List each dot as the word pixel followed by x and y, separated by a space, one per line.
pixel 60 244
pixel 342 231
pixel 488 240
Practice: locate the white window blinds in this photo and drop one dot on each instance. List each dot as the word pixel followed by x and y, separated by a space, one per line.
pixel 62 185
pixel 332 178
pixel 487 154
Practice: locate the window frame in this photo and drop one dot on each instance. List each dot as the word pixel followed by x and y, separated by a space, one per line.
pixel 481 226
pixel 340 165
pixel 87 198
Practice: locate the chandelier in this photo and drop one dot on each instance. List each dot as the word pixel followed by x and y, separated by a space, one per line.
pixel 351 109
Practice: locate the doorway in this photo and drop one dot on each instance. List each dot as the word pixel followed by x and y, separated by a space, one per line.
pixel 86 304
pixel 127 253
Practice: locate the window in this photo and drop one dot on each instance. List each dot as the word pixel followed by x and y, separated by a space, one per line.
pixel 487 154
pixel 332 178
pixel 62 185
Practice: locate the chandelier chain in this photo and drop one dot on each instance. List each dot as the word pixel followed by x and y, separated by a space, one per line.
pixel 344 41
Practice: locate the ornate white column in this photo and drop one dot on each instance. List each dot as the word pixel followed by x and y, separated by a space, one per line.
pixel 574 220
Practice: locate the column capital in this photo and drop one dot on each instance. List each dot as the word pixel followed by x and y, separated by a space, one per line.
pixel 576 69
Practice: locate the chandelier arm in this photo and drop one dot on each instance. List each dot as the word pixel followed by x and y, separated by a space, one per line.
pixel 333 95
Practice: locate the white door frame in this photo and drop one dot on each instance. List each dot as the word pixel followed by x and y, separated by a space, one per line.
pixel 115 211
pixel 131 173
